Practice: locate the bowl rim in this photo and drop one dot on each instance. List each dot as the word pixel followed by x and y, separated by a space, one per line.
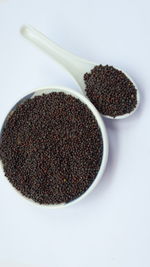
pixel 86 101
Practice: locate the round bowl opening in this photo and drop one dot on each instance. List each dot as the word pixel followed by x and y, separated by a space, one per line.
pixel 83 99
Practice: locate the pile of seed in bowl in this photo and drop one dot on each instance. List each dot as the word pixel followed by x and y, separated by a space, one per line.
pixel 110 90
pixel 51 148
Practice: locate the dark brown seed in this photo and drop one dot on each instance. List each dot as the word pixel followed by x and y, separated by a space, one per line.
pixel 51 148
pixel 110 90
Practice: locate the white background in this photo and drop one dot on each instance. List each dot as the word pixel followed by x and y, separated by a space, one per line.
pixel 111 227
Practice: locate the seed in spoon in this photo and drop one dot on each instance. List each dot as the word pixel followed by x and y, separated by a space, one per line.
pixel 110 90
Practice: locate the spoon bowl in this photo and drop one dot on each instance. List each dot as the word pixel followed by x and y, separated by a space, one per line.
pixel 75 65
pixel 83 99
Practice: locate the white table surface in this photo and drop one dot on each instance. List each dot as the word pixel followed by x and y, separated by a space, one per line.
pixel 111 227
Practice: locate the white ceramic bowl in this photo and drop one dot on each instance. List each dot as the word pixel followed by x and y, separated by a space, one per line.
pixel 50 89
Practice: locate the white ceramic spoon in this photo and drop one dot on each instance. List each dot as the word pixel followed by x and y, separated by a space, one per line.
pixel 76 66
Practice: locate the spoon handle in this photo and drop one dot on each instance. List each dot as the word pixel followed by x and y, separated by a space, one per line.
pixel 75 65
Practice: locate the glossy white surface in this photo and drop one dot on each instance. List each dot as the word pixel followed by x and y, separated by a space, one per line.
pixel 111 227
pixel 76 66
